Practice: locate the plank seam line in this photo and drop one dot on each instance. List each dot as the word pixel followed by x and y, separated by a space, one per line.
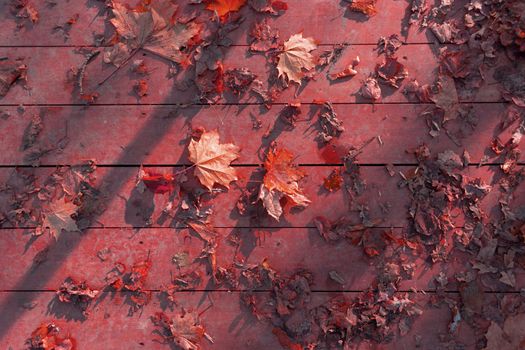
pixel 245 165
pixel 187 227
pixel 421 291
pixel 232 45
pixel 189 104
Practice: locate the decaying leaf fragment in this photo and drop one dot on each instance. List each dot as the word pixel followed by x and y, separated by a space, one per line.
pixel 367 7
pixel 183 330
pixel 10 72
pixel 58 217
pixel 151 29
pixel 77 293
pixel 281 181
pixel 370 89
pixel 296 58
pixel 272 7
pixel 391 71
pixel 264 37
pixel 25 9
pixel 46 337
pixel 212 160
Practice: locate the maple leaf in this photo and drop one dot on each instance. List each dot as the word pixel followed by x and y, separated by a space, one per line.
pixel 512 336
pixel 281 181
pixel 155 182
pixel 150 29
pixel 58 217
pixel 224 7
pixel 296 57
pixel 212 160
pixel 447 98
pixel 184 329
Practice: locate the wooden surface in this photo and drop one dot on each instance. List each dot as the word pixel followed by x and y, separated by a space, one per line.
pixel 120 132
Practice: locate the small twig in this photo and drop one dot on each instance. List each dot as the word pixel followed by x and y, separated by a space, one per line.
pixel 118 68
pixel 82 71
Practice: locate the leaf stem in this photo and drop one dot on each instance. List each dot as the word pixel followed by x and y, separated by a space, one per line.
pixel 133 53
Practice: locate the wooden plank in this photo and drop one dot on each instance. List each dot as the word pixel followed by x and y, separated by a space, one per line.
pixel 52 86
pixel 230 325
pixel 127 207
pixel 47 264
pixel 115 135
pixel 326 20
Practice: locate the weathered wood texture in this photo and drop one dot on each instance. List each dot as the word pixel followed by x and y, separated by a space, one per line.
pixel 126 206
pixel 52 84
pixel 79 256
pixel 230 325
pixel 158 135
pixel 328 22
pixel 121 131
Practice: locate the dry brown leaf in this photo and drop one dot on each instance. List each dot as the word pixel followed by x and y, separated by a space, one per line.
pixel 511 337
pixel 184 330
pixel 296 57
pixel 212 160
pixel 447 98
pixel 58 217
pixel 281 181
pixel 151 30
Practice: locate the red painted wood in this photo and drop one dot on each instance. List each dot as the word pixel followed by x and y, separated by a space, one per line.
pixel 123 134
pixel 51 86
pixel 286 250
pixel 128 208
pixel 326 20
pixel 230 326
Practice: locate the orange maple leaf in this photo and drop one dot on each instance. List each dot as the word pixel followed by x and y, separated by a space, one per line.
pixel 223 7
pixel 281 180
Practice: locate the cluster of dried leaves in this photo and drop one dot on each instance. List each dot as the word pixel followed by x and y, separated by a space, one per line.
pixel 445 213
pixel 47 337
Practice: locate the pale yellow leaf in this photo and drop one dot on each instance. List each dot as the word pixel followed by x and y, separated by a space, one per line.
pixel 296 57
pixel 212 160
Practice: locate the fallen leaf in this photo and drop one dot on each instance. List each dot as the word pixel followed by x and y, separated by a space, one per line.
pixel 264 37
pixel 391 71
pixel 281 181
pixel 10 72
pixel 155 182
pixel 46 337
pixel 212 160
pixel 511 337
pixel 367 7
pixel 58 217
pixel 224 7
pixel 371 89
pixel 150 29
pixel 141 88
pixel 296 57
pixel 334 181
pixel 272 7
pixel 25 9
pixel 447 97
pixel 184 330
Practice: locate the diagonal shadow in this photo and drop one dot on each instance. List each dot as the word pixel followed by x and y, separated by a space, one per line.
pixel 144 143
pixel 111 184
